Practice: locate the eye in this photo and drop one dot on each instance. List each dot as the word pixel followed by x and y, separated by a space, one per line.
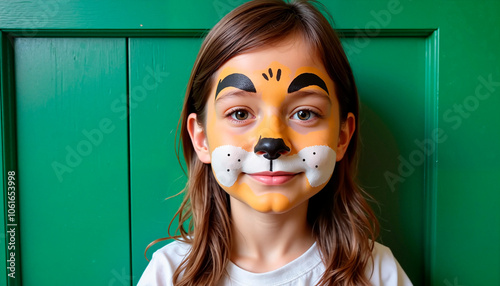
pixel 240 114
pixel 304 114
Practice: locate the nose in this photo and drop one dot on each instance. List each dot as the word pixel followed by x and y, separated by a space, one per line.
pixel 272 148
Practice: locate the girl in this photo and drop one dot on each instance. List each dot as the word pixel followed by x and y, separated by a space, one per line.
pixel 269 136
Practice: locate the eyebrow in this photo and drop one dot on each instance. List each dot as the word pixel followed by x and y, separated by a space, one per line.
pixel 306 79
pixel 236 80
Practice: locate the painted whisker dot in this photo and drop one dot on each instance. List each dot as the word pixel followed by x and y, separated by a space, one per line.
pixel 303 160
pixel 228 170
pixel 228 155
pixel 314 153
pixel 316 166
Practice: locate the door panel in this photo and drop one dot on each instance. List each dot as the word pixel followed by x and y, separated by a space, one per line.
pixel 72 154
pixel 159 71
pixel 392 113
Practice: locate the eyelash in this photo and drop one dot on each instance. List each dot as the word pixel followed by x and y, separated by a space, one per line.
pixel 314 114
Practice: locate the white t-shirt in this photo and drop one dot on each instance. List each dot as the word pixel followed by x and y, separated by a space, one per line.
pixel 303 271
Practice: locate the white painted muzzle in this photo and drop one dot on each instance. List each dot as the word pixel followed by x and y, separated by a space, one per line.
pixel 317 162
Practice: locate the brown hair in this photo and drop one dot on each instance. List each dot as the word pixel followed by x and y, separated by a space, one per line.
pixel 343 223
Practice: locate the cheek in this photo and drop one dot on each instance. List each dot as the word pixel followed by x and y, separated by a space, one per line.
pixel 227 164
pixel 319 163
pixel 325 137
pixel 220 134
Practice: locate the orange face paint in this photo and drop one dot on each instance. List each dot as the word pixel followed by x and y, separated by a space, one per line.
pixel 272 128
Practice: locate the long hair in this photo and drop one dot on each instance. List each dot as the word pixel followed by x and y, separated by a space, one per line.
pixel 343 223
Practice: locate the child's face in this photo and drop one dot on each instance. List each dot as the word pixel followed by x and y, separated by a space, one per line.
pixel 272 131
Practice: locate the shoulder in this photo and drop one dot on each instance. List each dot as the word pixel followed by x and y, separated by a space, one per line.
pixel 385 269
pixel 173 251
pixel 163 264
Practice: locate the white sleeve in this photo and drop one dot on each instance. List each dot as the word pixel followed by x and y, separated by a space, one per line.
pixel 386 269
pixel 158 272
pixel 163 264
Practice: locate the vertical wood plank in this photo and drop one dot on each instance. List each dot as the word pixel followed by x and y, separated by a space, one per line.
pixel 11 252
pixel 392 118
pixel 467 251
pixel 431 164
pixel 3 94
pixel 73 168
pixel 159 72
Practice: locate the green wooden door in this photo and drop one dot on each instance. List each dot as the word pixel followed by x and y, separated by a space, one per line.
pixel 91 93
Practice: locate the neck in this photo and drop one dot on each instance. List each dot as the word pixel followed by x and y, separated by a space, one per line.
pixel 266 241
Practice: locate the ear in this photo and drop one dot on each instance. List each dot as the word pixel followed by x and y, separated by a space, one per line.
pixel 198 138
pixel 346 132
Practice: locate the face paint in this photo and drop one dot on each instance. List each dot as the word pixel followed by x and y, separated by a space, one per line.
pixel 271 148
pixel 236 80
pixel 305 80
pixel 317 162
pixel 272 128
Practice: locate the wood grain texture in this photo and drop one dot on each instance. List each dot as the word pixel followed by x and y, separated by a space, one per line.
pixel 73 160
pixel 159 70
pixel 393 115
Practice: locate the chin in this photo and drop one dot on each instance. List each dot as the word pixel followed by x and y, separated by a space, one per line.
pixel 276 204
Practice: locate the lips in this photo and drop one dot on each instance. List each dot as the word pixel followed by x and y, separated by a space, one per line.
pixel 273 178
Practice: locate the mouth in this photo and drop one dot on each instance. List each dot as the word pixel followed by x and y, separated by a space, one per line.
pixel 273 178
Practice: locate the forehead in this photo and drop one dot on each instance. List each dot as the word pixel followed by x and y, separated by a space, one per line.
pixel 291 54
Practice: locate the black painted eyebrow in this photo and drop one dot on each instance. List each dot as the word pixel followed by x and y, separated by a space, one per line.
pixel 237 80
pixel 306 79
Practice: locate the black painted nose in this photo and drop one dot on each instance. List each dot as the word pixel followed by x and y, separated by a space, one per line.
pixel 271 147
